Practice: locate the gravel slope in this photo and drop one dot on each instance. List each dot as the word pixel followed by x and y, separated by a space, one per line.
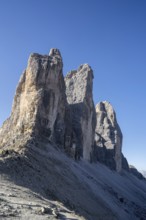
pixel 44 183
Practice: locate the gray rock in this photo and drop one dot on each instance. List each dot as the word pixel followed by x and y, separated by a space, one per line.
pixel 108 137
pixel 39 105
pixel 42 119
pixel 132 169
pixel 47 108
pixel 125 164
pixel 79 96
pixel 136 173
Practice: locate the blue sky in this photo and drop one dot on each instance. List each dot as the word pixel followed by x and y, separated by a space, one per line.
pixel 110 35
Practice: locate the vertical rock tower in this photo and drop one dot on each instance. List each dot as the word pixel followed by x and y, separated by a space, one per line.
pixel 108 136
pixel 79 97
pixel 48 107
pixel 40 100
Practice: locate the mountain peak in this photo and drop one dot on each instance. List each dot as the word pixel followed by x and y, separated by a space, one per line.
pixel 54 52
pixel 58 145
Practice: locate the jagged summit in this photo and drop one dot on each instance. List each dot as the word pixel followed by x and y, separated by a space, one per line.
pixel 53 130
pixel 54 52
pixel 78 83
pixel 85 66
pixel 47 105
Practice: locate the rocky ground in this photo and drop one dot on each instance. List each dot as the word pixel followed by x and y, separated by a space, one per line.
pixel 17 202
pixel 44 183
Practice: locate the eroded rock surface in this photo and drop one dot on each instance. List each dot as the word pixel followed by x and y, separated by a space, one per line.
pixel 108 137
pixel 79 96
pixel 40 102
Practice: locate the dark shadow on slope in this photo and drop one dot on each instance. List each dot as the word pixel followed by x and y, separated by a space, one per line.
pixel 51 177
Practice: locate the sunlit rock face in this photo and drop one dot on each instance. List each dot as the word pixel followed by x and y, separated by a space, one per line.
pixel 79 85
pixel 108 137
pixel 40 102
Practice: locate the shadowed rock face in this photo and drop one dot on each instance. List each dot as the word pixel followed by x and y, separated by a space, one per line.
pixel 135 172
pixel 108 137
pixel 40 100
pixel 79 96
pixel 125 164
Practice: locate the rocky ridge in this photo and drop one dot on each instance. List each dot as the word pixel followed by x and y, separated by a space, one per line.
pixel 52 116
pixel 61 110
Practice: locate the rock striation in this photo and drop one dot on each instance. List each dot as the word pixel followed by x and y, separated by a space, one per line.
pixel 79 84
pixel 39 105
pixel 108 137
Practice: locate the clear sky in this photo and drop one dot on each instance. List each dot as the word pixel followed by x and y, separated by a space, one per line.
pixel 110 35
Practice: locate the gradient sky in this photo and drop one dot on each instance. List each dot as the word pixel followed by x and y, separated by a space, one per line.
pixel 110 35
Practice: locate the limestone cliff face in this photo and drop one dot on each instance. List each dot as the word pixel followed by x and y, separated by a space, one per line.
pixel 79 96
pixel 108 136
pixel 40 101
pixel 47 106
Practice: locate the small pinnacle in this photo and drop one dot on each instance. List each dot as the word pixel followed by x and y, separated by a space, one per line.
pixel 54 52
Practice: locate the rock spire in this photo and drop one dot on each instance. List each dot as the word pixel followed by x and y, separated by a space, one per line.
pixel 79 85
pixel 40 101
pixel 108 136
pixel 61 110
